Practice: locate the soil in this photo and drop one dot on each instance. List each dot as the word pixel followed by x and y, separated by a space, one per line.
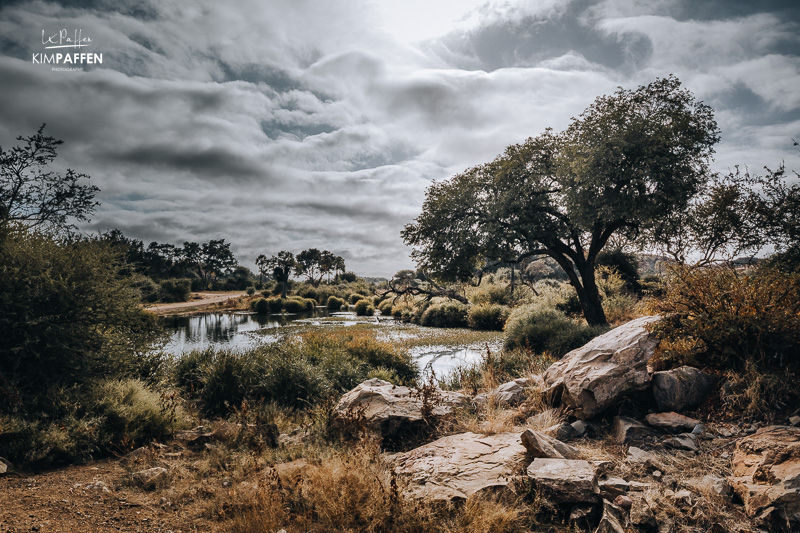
pixel 199 301
pixel 65 500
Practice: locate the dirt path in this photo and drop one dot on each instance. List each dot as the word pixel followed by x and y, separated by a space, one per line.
pixel 89 498
pixel 198 301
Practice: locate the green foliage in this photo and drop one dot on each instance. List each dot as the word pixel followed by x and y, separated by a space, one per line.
pixel 624 264
pixel 250 290
pixel 364 308
pixel 335 303
pixel 629 161
pixel 728 319
pixel 260 306
pixel 445 315
pixel 491 293
pixel 488 316
pixel 66 306
pixel 92 421
pixel 544 330
pixel 386 307
pixel 353 298
pixel 296 304
pixel 175 290
pixel 295 374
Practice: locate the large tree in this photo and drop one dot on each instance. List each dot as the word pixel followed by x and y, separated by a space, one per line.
pixel 282 266
pixel 630 160
pixel 34 195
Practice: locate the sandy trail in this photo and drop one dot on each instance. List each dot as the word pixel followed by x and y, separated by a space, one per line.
pixel 199 300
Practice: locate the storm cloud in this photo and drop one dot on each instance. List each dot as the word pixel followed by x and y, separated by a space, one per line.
pixel 288 125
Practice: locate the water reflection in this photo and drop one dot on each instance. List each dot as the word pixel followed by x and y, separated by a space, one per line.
pixel 244 330
pixel 228 330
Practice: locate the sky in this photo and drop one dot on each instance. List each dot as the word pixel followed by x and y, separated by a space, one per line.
pixel 294 124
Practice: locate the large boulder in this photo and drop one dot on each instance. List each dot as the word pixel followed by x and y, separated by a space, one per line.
pixel 766 471
pixel 613 365
pixel 565 480
pixel 681 388
pixel 457 466
pixel 390 409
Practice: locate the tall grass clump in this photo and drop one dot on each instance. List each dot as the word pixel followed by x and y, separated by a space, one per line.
pixel 541 329
pixel 364 308
pixel 488 316
pixel 335 303
pixel 445 315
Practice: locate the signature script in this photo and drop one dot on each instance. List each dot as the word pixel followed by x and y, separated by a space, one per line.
pixel 63 39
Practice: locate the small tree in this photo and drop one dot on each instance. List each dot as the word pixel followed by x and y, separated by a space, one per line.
pixel 282 266
pixel 627 162
pixel 307 264
pixel 33 196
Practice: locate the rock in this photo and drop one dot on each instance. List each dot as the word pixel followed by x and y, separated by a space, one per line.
pixel 581 516
pixel 562 432
pixel 639 486
pixel 641 515
pixel 580 428
pixel 540 445
pixel 291 472
pixel 151 478
pixel 684 441
pixel 457 466
pixel 682 388
pixel 672 421
pixel 637 455
pixel 511 393
pixel 623 502
pixel 602 464
pixel 794 420
pixel 612 487
pixel 564 480
pixel 766 471
pixel 713 484
pixel 593 377
pixel 627 429
pixel 392 409
pixel 613 520
pixel 97 486
pixel 682 497
pixel 5 466
pixel 195 439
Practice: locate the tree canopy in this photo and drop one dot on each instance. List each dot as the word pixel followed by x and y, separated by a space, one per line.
pixel 629 161
pixel 32 195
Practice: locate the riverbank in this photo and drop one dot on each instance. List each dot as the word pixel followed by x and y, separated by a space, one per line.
pixel 199 302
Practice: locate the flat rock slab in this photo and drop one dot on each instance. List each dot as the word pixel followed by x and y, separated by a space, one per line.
pixel 390 409
pixel 628 429
pixel 672 421
pixel 766 471
pixel 565 480
pixel 595 376
pixel 457 466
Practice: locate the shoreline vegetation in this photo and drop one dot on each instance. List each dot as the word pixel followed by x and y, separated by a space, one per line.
pixel 618 390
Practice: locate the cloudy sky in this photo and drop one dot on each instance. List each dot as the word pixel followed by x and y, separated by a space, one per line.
pixel 290 124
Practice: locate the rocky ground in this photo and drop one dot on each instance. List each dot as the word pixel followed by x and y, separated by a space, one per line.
pixel 597 443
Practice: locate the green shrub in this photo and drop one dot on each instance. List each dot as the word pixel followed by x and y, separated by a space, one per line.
pixel 175 290
pixel 296 304
pixel 546 330
pixel 727 319
pixel 445 315
pixel 335 303
pixel 386 307
pixel 260 306
pixel 250 291
pixel 491 293
pixel 364 308
pixel 488 316
pixel 69 313
pixel 147 287
pixel 353 298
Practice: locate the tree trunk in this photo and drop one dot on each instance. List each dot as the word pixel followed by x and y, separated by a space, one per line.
pixel 589 296
pixel 285 282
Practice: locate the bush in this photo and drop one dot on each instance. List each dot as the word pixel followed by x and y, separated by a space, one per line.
pixel 386 307
pixel 260 306
pixel 364 308
pixel 175 290
pixel 727 319
pixel 445 315
pixel 546 330
pixel 488 316
pixel 335 303
pixel 296 304
pixel 355 297
pixel 491 293
pixel 250 290
pixel 68 314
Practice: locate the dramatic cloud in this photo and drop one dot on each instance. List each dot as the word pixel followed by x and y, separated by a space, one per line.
pixel 287 125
